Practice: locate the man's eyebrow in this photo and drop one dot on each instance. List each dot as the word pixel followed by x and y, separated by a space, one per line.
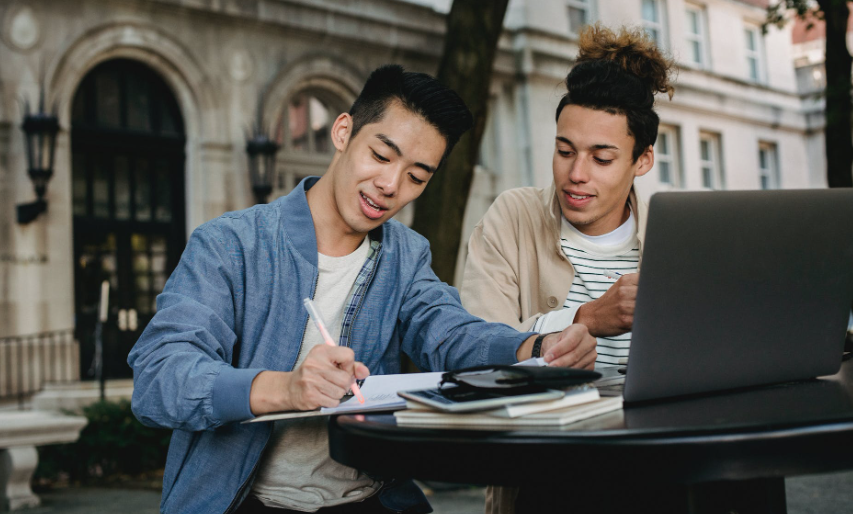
pixel 604 146
pixel 427 167
pixel 392 145
pixel 385 139
pixel 600 146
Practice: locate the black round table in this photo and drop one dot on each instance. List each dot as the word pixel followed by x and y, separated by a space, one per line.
pixel 729 452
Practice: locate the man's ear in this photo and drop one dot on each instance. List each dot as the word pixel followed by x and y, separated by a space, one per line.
pixel 341 130
pixel 645 162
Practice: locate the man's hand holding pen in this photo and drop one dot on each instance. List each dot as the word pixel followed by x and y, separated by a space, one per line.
pixel 321 381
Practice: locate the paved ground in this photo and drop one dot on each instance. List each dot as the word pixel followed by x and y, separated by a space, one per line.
pixel 818 494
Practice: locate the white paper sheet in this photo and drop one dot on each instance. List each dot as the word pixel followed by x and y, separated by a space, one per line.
pixel 379 391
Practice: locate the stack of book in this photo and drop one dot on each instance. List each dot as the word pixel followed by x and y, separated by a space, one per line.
pixel 577 404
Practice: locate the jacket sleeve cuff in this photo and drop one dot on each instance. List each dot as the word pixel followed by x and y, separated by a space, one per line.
pixel 506 353
pixel 556 321
pixel 231 391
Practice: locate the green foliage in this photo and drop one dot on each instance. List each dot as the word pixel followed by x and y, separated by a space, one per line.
pixel 112 445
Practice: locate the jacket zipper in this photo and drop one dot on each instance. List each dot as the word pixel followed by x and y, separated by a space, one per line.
pixel 307 319
pixel 255 467
pixel 246 482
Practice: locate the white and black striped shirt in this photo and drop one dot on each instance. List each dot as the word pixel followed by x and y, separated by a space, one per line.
pixel 590 256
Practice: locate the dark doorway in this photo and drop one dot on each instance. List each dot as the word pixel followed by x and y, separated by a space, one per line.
pixel 127 147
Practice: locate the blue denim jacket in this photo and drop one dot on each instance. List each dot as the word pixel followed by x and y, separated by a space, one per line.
pixel 233 307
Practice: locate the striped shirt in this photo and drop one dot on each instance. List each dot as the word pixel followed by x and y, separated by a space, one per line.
pixel 590 256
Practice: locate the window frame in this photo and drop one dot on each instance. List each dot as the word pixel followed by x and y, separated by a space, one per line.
pixel 588 6
pixel 292 164
pixel 701 38
pixel 673 158
pixel 715 164
pixel 771 170
pixel 660 26
pixel 310 142
pixel 757 54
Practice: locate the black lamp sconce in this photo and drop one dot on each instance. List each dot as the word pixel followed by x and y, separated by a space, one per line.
pixel 262 151
pixel 40 129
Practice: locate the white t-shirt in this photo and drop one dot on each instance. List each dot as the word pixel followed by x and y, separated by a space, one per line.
pixel 296 471
pixel 590 256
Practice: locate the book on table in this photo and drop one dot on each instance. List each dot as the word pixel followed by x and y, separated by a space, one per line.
pixel 560 412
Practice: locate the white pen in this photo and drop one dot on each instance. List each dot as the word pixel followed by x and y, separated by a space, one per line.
pixel 613 275
pixel 312 312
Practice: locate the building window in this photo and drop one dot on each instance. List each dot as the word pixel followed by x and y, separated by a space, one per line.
pixel 666 157
pixel 653 20
pixel 710 157
pixel 309 124
pixel 754 64
pixel 768 166
pixel 580 14
pixel 695 34
pixel 810 78
pixel 303 128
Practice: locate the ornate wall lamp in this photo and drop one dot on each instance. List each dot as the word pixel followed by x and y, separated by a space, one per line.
pixel 40 130
pixel 262 151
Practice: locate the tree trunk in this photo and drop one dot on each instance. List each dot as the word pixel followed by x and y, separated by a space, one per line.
pixel 470 44
pixel 838 134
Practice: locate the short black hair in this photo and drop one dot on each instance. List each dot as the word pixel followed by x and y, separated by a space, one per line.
pixel 421 94
pixel 619 73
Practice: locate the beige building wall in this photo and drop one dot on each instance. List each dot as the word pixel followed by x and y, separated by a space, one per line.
pixel 223 59
pixel 718 97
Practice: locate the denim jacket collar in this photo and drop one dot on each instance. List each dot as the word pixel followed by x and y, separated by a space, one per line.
pixel 296 213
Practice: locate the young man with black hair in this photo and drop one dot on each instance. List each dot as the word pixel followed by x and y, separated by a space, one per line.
pixel 544 259
pixel 231 339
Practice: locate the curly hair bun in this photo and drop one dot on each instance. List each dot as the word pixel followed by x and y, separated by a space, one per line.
pixel 633 50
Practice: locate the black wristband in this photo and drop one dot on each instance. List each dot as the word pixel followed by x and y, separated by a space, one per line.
pixel 537 346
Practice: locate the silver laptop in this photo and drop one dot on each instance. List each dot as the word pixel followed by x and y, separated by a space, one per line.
pixel 741 288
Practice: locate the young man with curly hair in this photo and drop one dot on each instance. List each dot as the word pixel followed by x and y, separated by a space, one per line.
pixel 546 259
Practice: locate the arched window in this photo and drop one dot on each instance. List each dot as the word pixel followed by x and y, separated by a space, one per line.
pixel 127 175
pixel 304 132
pixel 309 122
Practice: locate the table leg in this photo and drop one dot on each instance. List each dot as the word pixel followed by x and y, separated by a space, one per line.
pixel 758 496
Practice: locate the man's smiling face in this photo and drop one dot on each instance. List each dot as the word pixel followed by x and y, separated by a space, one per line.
pixel 593 168
pixel 384 167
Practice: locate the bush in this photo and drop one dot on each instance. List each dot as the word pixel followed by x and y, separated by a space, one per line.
pixel 114 444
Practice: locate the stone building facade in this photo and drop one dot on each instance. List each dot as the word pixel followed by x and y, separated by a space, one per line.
pixel 155 99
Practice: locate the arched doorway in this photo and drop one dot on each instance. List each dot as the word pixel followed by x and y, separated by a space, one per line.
pixel 127 147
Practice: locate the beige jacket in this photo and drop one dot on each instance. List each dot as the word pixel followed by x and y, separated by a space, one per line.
pixel 516 272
